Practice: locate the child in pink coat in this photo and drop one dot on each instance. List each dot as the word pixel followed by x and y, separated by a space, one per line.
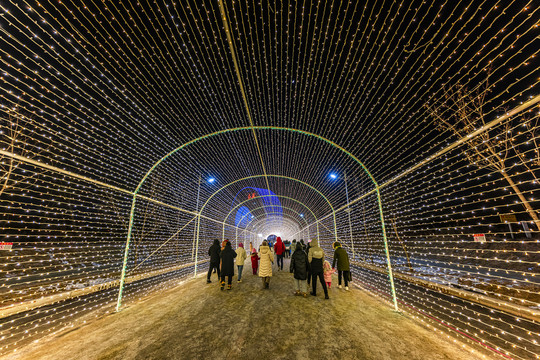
pixel 328 271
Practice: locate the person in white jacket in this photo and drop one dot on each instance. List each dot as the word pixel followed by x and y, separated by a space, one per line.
pixel 241 257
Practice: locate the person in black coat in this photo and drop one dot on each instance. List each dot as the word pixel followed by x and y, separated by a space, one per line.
pixel 213 252
pixel 227 265
pixel 300 267
pixel 342 259
pixel 306 251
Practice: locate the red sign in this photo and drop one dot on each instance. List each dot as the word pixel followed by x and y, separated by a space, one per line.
pixel 5 246
pixel 479 237
pixel 252 196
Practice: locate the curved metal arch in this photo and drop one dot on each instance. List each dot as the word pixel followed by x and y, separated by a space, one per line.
pixel 289 224
pixel 252 177
pixel 279 196
pixel 284 207
pixel 253 128
pixel 246 187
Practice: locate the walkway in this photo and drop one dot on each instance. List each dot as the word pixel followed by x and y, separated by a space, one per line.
pixel 198 321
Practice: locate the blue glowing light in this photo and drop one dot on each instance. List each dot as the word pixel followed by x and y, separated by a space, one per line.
pixel 211 180
pixel 333 176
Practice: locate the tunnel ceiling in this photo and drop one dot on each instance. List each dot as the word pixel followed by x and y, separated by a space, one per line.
pixel 109 88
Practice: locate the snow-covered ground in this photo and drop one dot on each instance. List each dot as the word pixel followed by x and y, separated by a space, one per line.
pixel 198 321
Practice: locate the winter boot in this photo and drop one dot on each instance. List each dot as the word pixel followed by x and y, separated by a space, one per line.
pixel 229 287
pixel 208 281
pixel 304 295
pixel 222 285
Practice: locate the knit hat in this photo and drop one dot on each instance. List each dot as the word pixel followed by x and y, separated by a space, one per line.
pixel 241 245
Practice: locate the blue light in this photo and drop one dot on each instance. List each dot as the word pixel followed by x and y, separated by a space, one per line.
pixel 333 176
pixel 211 180
pixel 301 215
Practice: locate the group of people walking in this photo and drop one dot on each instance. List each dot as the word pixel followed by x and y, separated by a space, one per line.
pixel 307 264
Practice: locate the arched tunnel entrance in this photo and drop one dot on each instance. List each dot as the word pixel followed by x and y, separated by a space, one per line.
pixel 133 135
pixel 269 198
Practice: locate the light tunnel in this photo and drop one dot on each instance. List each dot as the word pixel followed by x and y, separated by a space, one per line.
pixel 134 134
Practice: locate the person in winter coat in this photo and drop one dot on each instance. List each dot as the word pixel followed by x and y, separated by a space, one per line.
pixel 287 244
pixel 299 266
pixel 306 250
pixel 316 259
pixel 254 261
pixel 241 257
pixel 265 269
pixel 213 252
pixel 279 249
pixel 342 259
pixel 227 265
pixel 328 271
pixel 303 245
pixel 223 243
pixel 293 247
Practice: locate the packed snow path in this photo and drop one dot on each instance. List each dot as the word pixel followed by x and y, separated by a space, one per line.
pixel 198 321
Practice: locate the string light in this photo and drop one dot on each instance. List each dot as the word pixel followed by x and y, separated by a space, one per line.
pixel 94 95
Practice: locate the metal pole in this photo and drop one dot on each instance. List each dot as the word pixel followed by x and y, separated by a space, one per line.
pixel 196 233
pixel 126 251
pixel 195 225
pixel 390 275
pixel 349 213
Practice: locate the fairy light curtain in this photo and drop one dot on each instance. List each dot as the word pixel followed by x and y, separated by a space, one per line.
pixel 92 95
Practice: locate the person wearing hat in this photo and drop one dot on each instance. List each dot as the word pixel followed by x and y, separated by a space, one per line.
pixel 342 259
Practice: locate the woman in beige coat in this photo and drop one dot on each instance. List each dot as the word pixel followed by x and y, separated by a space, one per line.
pixel 241 257
pixel 265 266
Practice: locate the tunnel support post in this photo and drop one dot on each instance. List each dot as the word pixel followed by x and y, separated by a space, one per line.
pixel 387 252
pixel 197 243
pixel 349 213
pixel 335 225
pixel 197 211
pixel 126 251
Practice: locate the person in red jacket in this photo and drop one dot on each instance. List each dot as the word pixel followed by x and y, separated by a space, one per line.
pixel 254 261
pixel 279 249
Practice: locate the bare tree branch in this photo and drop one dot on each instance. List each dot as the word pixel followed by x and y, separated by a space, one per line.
pixel 461 112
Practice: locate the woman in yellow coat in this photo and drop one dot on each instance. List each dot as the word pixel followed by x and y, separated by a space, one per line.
pixel 265 266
